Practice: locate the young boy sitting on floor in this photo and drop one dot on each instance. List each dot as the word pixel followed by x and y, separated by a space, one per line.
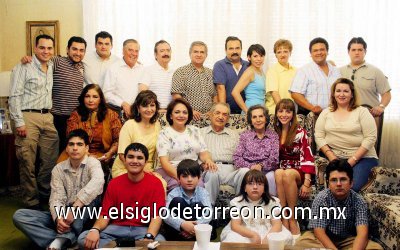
pixel 185 197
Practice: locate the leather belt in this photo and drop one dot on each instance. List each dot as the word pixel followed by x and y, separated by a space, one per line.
pixel 42 111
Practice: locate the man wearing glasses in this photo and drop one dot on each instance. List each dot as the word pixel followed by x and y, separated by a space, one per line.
pixel 345 224
pixel 370 82
pixel 221 142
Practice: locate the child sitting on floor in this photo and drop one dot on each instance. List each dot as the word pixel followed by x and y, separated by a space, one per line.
pixel 186 197
pixel 254 227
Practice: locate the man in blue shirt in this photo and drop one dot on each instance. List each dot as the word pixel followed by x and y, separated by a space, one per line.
pixel 226 72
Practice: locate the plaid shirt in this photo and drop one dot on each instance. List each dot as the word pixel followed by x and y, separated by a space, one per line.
pixel 355 213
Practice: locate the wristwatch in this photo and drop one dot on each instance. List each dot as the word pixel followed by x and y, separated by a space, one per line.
pixel 149 236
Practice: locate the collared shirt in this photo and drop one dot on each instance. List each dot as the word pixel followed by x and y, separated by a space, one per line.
pixel 68 85
pixel 195 86
pixel 200 195
pixel 224 73
pixel 159 80
pixel 355 213
pixel 252 150
pixel 222 144
pixel 369 81
pixel 311 81
pixel 121 82
pixel 30 89
pixel 96 67
pixel 278 79
pixel 68 184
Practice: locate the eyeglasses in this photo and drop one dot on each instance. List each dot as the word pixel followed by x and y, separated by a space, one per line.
pixel 343 180
pixel 217 113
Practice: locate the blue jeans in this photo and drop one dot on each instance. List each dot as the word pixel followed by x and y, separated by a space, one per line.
pixel 113 232
pixel 39 227
pixel 361 172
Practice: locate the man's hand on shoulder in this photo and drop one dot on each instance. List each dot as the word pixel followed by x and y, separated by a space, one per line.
pixel 26 59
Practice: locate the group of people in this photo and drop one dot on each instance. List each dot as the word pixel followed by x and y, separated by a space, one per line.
pixel 104 107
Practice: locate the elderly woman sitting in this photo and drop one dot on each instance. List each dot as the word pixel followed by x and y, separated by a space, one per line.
pixel 258 147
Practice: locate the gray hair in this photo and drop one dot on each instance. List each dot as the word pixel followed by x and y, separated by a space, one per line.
pixel 198 43
pixel 226 105
pixel 127 41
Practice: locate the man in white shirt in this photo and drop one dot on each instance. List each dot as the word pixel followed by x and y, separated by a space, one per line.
pixel 312 83
pixel 122 78
pixel 158 77
pixel 97 62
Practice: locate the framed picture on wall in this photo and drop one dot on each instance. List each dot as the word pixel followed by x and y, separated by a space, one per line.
pixel 35 28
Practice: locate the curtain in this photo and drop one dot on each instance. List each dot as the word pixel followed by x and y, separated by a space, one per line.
pixel 181 22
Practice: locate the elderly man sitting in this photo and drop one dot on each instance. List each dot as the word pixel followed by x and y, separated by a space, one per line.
pixel 221 142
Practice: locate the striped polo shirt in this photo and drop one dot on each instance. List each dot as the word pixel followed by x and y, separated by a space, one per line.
pixel 68 83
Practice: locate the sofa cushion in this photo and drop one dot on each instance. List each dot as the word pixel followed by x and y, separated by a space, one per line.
pixel 384 211
pixel 383 181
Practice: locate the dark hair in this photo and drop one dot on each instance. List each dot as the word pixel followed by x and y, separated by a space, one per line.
pixel 289 105
pixel 158 43
pixel 143 99
pixel 104 35
pixel 353 101
pixel 188 167
pixel 257 48
pixel 257 176
pixel 358 40
pixel 232 38
pixel 78 133
pixel 76 39
pixel 44 36
pixel 318 40
pixel 250 111
pixel 83 110
pixel 172 105
pixel 340 165
pixel 137 147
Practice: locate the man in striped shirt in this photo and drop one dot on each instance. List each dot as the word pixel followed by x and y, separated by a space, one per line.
pixel 30 102
pixel 68 84
pixel 158 77
pixel 221 142
pixel 312 83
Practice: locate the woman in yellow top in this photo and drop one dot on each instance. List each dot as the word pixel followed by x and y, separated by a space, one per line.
pixel 280 75
pixel 144 128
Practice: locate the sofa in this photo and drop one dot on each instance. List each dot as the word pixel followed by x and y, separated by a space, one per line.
pixel 239 123
pixel 382 193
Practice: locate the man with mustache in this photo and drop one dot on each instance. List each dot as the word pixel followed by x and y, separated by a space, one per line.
pixel 158 77
pixel 226 72
pixel 350 229
pixel 122 78
pixel 97 62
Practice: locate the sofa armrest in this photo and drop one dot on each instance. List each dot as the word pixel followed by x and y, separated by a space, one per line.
pixel 383 180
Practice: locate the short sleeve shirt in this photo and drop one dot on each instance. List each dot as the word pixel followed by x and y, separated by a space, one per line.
pixel 195 86
pixel 370 82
